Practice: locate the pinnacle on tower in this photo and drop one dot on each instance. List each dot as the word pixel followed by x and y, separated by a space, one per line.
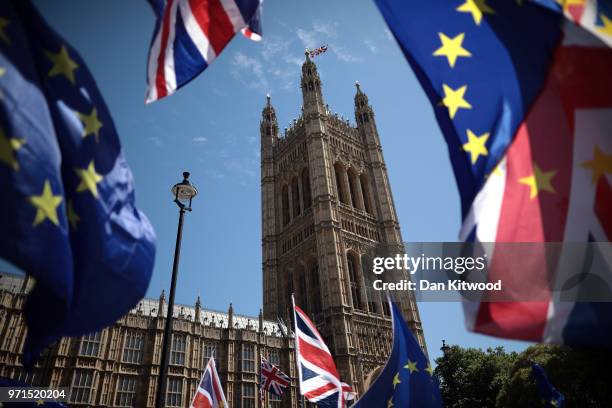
pixel 311 88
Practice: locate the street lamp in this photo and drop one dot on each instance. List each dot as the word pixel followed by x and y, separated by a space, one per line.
pixel 183 193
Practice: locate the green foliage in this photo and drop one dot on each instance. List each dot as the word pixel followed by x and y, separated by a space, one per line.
pixel 472 377
pixel 496 379
pixel 583 376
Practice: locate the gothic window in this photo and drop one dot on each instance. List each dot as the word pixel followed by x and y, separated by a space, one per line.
pixel 82 383
pixel 132 349
pixel 295 196
pixel 209 350
pixel 310 86
pixel 386 309
pixel 339 186
pixel 365 190
pixel 248 395
pixel 177 351
pixel 126 391
pixel 285 198
pixel 354 281
pixel 248 358
pixel 174 392
pixel 274 357
pixel 306 189
pixel 353 180
pixel 90 345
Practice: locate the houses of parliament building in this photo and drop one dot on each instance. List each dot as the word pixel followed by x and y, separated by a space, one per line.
pixel 326 205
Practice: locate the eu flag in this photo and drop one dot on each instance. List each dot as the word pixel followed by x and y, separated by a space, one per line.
pixel 550 396
pixel 482 63
pixel 67 206
pixel 407 379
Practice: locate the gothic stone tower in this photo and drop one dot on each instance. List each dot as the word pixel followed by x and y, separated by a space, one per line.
pixel 326 203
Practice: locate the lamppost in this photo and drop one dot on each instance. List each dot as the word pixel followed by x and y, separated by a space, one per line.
pixel 183 193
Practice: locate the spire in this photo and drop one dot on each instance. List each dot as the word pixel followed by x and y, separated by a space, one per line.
pixel 364 116
pixel 260 321
pixel 162 301
pixel 269 123
pixel 198 309
pixel 230 317
pixel 311 88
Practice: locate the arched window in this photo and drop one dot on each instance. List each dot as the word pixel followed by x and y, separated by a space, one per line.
pixel 307 198
pixel 339 186
pixel 295 197
pixel 354 281
pixel 285 198
pixel 365 190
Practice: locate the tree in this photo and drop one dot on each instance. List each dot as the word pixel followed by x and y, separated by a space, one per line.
pixel 584 376
pixel 473 377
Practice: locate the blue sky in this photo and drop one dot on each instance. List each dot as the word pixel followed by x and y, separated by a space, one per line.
pixel 211 128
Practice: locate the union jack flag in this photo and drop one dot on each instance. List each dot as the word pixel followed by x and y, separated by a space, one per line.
pixel 317 51
pixel 319 379
pixel 210 392
pixel 189 35
pixel 273 380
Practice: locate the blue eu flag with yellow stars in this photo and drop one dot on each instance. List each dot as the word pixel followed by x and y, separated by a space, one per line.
pixel 67 207
pixel 482 63
pixel 407 379
pixel 551 397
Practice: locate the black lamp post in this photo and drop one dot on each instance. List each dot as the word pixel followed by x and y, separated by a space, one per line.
pixel 444 348
pixel 183 193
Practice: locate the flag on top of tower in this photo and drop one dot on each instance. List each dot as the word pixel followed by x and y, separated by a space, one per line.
pixel 523 98
pixel 319 379
pixel 407 378
pixel 68 211
pixel 190 34
pixel 317 51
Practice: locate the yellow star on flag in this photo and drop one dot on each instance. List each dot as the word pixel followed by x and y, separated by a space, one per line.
pixel 91 123
pixel 40 402
pixel 454 99
pixel 607 25
pixel 46 205
pixel 600 165
pixel 89 179
pixel 476 145
pixel 429 369
pixel 396 380
pixel 3 36
pixel 8 147
pixel 539 181
pixel 411 366
pixel 452 48
pixel 73 217
pixel 62 64
pixel 390 402
pixel 476 8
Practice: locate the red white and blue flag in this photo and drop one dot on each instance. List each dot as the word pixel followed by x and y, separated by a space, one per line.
pixel 319 379
pixel 190 34
pixel 209 393
pixel 273 380
pixel 524 99
pixel 317 51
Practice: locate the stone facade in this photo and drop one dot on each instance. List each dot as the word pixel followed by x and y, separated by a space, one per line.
pixel 118 366
pixel 327 205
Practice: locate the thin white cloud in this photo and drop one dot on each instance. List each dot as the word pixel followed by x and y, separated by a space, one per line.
pixel 369 44
pixel 388 34
pixel 250 71
pixel 199 139
pixel 344 55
